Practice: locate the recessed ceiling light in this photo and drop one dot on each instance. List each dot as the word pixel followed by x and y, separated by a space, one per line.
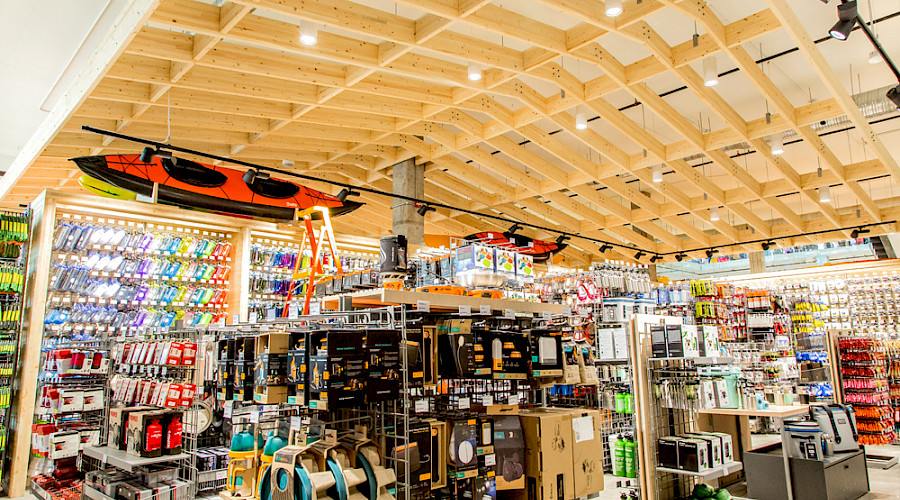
pixel 474 71
pixel 309 33
pixel 613 8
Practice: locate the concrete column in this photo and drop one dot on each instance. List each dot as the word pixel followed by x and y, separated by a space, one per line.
pixel 409 180
pixel 757 262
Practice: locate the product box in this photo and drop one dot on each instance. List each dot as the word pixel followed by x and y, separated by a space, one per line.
pixel 271 358
pixel 606 348
pixel 298 363
pixel 659 344
pixel 587 367
pixel 440 441
pixel 690 341
pixel 463 446
pixel 71 400
pixel 64 444
pixel 118 425
pixel 727 446
pixel 674 342
pixel 571 373
pixel 89 438
pixel 524 267
pixel 141 439
pixel 620 339
pixel 383 365
pixel 225 373
pixel 481 354
pixel 509 451
pixel 456 352
pixel 513 361
pixel 474 257
pixel 709 345
pixel 505 262
pixel 485 486
pixel 419 454
pixel 269 394
pixel 92 399
pixel 417 354
pixel 173 422
pixel 337 377
pixel 714 448
pixel 134 491
pixel 693 455
pixel 587 452
pixel 429 355
pixel 549 469
pixel 667 452
pixel 485 438
pixel 546 352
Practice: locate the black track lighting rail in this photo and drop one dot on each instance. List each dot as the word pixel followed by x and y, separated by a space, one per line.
pixel 857 229
pixel 425 206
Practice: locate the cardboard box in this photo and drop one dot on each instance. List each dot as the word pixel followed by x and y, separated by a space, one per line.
pixel 509 451
pixel 659 344
pixel 463 444
pixel 709 345
pixel 549 468
pixel 136 439
pixel 587 452
pixel 727 446
pixel 667 452
pixel 71 400
pixel 690 341
pixel 64 444
pixel 714 448
pixel 118 425
pixel 674 342
pixel 440 441
pixel 92 399
pixel 271 358
pixel 270 394
pixel 383 365
pixel 693 455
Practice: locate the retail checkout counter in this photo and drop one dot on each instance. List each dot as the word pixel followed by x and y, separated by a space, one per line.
pixel 842 476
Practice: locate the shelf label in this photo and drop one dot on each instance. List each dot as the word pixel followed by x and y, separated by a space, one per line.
pixel 567 310
pixel 465 310
pixel 423 306
pixel 484 309
pixel 296 423
pixel 228 409
pixel 255 414
pixel 315 308
pixel 421 406
pixel 464 403
pixel 490 460
pixel 583 428
pixel 254 316
pixel 513 400
pixel 293 311
pixel 546 315
pixel 487 400
pixel 270 314
pixel 509 313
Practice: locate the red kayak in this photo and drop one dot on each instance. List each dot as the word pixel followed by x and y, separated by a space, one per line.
pixel 189 184
pixel 540 250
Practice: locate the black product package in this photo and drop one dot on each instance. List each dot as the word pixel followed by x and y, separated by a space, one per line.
pixel 417 354
pixel 509 352
pixel 509 448
pixel 456 355
pixel 336 369
pixel 419 455
pixel 463 444
pixel 383 364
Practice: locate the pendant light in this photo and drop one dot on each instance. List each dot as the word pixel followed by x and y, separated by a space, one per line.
pixel 580 121
pixel 710 71
pixel 309 33
pixel 613 8
pixel 824 194
pixel 657 174
pixel 875 57
pixel 714 214
pixel 777 144
pixel 474 71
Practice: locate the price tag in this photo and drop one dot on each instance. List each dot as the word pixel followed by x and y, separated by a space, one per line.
pixel 487 400
pixel 490 460
pixel 513 400
pixel 465 310
pixel 221 475
pixel 296 422
pixel 254 316
pixel 509 313
pixel 255 414
pixel 484 309
pixel 270 314
pixel 463 403
pixel 315 307
pixel 423 306
pixel 228 409
pixel 546 315
pixel 293 311
pixel 567 310
pixel 421 406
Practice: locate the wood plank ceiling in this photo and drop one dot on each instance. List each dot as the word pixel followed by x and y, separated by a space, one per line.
pixel 382 85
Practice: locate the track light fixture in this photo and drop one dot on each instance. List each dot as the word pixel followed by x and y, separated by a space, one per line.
pixel 604 247
pixel 251 175
pixel 824 194
pixel 894 95
pixel 148 153
pixel 858 231
pixel 714 214
pixel 710 71
pixel 680 257
pixel 309 33
pixel 514 228
pixel 474 71
pixel 639 255
pixel 345 193
pixel 580 121
pixel 847 16
pixel 655 258
pixel 769 244
pixel 875 57
pixel 561 238
pixel 287 163
pixel 424 209
pixel 776 142
pixel 613 8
